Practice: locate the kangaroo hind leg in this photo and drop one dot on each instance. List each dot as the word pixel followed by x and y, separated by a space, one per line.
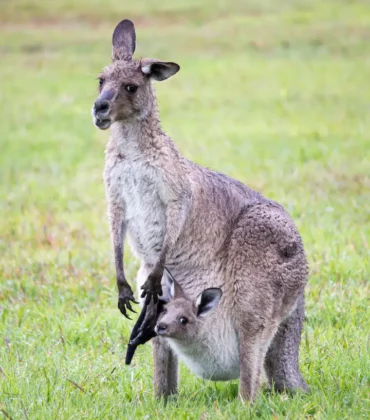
pixel 281 363
pixel 250 361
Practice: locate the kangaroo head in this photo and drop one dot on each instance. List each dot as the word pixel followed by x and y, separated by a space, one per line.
pixel 125 90
pixel 182 317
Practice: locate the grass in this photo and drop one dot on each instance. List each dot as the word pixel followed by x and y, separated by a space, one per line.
pixel 272 93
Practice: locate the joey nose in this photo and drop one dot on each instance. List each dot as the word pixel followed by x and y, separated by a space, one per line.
pixel 161 328
pixel 101 106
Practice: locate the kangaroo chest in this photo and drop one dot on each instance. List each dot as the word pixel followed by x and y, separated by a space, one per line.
pixel 136 187
pixel 215 357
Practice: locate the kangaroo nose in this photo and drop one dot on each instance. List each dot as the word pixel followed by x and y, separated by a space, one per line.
pixel 161 328
pixel 101 106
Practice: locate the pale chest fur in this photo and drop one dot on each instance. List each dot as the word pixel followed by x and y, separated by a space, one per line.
pixel 135 187
pixel 215 354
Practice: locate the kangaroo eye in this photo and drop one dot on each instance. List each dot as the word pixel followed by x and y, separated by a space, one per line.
pixel 164 311
pixel 101 81
pixel 131 88
pixel 183 320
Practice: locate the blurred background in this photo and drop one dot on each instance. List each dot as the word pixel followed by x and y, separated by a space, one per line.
pixel 273 93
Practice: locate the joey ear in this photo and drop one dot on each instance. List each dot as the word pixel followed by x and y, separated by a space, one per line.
pixel 170 278
pixel 124 41
pixel 176 290
pixel 170 287
pixel 208 300
pixel 159 70
pixel 167 281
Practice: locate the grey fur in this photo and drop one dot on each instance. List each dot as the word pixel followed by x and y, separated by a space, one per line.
pixel 208 229
pixel 213 348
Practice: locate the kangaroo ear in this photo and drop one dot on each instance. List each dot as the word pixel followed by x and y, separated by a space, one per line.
pixel 208 300
pixel 167 281
pixel 124 41
pixel 170 287
pixel 158 70
pixel 176 290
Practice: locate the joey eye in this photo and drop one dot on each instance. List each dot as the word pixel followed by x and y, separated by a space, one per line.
pixel 131 88
pixel 183 320
pixel 164 311
pixel 101 81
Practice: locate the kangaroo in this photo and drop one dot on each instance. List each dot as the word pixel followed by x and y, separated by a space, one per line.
pixel 206 341
pixel 208 345
pixel 206 228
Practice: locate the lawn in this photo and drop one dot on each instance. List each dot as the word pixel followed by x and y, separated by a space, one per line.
pixel 273 93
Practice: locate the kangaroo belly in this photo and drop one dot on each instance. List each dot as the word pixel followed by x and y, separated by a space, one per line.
pixel 146 229
pixel 133 186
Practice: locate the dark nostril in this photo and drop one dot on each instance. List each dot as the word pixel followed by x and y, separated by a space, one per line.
pixel 101 105
pixel 161 327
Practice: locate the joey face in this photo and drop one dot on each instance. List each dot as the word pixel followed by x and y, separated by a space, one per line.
pixel 125 91
pixel 182 318
pixel 178 320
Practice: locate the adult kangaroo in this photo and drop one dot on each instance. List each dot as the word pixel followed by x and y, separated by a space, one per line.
pixel 208 229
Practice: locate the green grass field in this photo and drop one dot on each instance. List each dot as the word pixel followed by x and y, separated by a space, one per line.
pixel 273 93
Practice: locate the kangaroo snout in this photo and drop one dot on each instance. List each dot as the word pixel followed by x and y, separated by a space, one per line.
pixel 101 107
pixel 160 328
pixel 100 113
